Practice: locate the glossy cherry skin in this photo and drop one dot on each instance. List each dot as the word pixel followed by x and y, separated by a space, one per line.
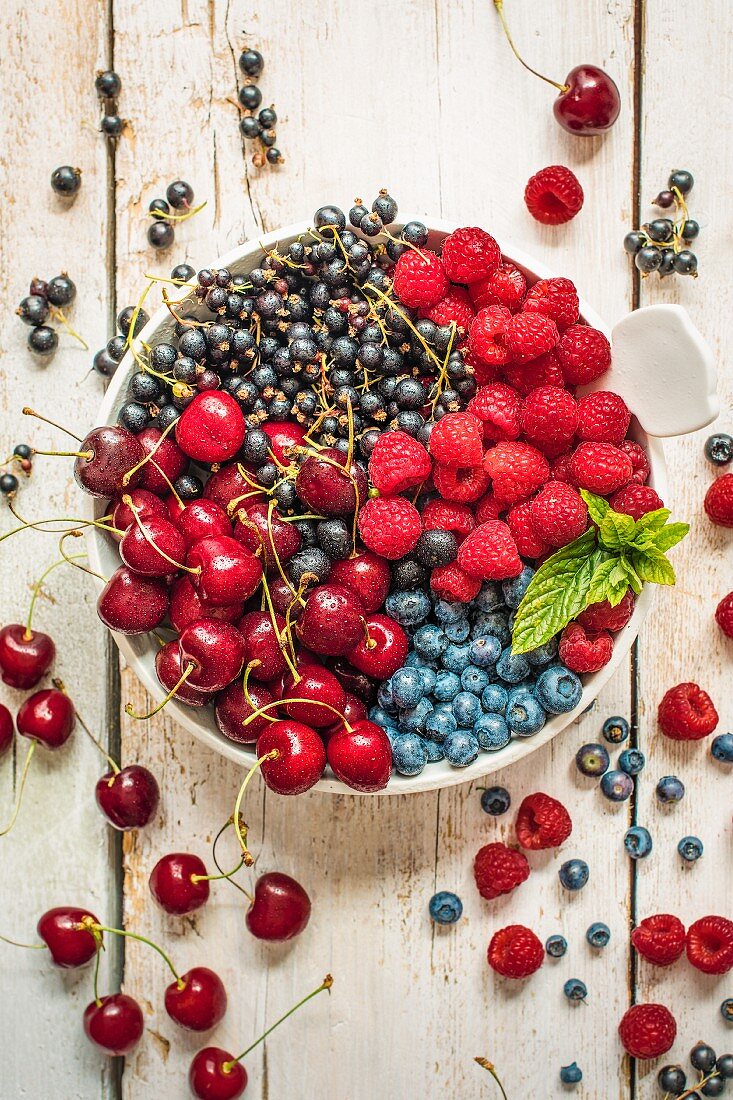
pixel 211 427
pixel 147 505
pixel 228 572
pixel 186 606
pixel 328 490
pixel 320 685
pixel 332 620
pixel 366 574
pixel 361 757
pixel 169 671
pixel 354 681
pixel 354 710
pixel 214 1075
pixel 200 519
pixel 47 716
pixel 113 453
pixel 171 883
pixel 198 1001
pixel 131 604
pixel 281 908
pixel 232 708
pixel 140 552
pixel 259 529
pixel 283 436
pixel 115 1025
pixel 301 757
pixel 281 594
pixel 169 458
pixel 70 944
pixel 591 104
pixel 389 653
pixel 261 643
pixel 217 651
pixel 230 490
pixel 7 729
pixel 128 798
pixel 24 660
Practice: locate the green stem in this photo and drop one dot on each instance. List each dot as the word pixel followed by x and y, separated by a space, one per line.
pixel 29 946
pixel 247 855
pixel 96 974
pixel 182 679
pixel 325 984
pixel 487 1065
pixel 21 787
pixel 499 5
pixel 217 838
pixel 140 939
pixel 37 589
pixel 61 686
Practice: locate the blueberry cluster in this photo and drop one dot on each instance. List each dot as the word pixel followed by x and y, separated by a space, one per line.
pixel 711 1077
pixel 109 86
pixel 461 690
pixel 45 302
pixel 661 245
pixel 178 196
pixel 592 759
pixel 259 127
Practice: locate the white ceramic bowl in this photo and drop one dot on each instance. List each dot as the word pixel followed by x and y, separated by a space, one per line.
pixel 139 650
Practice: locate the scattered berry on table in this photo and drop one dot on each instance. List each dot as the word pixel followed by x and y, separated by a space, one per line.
pixel 710 944
pixel 724 1066
pixel 647 1030
pixel 598 934
pixel 660 938
pixel 672 1080
pixel 726 1010
pixel 638 842
pixel 575 990
pixel 615 730
pixel 515 952
pixel 556 946
pixel 498 870
pixel 592 759
pixel 108 84
pixel 660 244
pixel 553 195
pixel 690 848
pixel 542 822
pixel 702 1057
pixel 719 449
pixel 724 615
pixel 66 180
pixel 445 907
pixel 495 800
pixel 574 874
pixel 669 789
pixel 687 713
pixel 721 748
pixel 571 1075
pixel 718 501
pixel 616 785
pixel 631 761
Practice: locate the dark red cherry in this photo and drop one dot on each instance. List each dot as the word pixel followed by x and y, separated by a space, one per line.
pixel 211 427
pixel 354 681
pixel 259 529
pixel 327 488
pixel 366 574
pixel 214 1075
pixel 154 549
pixel 47 716
pixel 174 886
pixel 186 606
pixel 281 908
pixel 284 434
pixel 591 103
pixel 301 757
pixel 354 710
pixel 128 798
pixel 387 654
pixel 7 729
pixel 131 604
pixel 169 671
pixel 169 458
pixel 332 620
pixel 282 596
pixel 229 573
pixel 262 643
pixel 216 650
pixel 198 1000
pixel 110 453
pixel 200 519
pixel 361 757
pixel 232 708
pixel 173 508
pixel 114 1023
pixel 319 685
pixel 147 505
pixel 230 490
pixel 70 944
pixel 25 655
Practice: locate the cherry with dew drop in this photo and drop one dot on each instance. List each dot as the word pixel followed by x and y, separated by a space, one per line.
pixel 284 437
pixel 165 461
pixel 169 669
pixel 200 519
pixel 186 606
pixel 280 909
pixel 332 621
pixel 328 487
pixel 264 644
pixel 309 698
pixel 215 649
pixel 26 654
pixel 233 706
pixel 144 504
pixel 366 574
pixel 230 487
pixel 260 527
pixel 152 547
pixel 132 604
pixel 298 757
pixel 361 757
pixel 382 650
pixel 222 570
pixel 211 428
pixel 197 1001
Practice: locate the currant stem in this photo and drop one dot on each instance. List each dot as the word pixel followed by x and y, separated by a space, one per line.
pixel 36 592
pixel 499 5
pixel 159 215
pixel 29 946
pixel 32 412
pixel 143 717
pixel 94 927
pixel 21 787
pixel 247 855
pixel 325 985
pixel 61 686
pixel 484 1062
pixel 59 315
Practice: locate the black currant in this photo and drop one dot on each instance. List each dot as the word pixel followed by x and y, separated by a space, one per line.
pixel 108 84
pixel 250 97
pixel 179 194
pixel 161 235
pixel 719 449
pixel 124 320
pixel 648 259
pixel 33 310
pixel 66 180
pixel 385 207
pixel 8 484
pixel 189 487
pixel 681 180
pixel 250 127
pixel 183 273
pixel 685 262
pixel 112 126
pixel 60 290
pixel 43 340
pixel 159 207
pixel 251 62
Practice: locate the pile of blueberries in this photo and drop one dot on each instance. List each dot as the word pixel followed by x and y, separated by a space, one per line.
pixel 461 690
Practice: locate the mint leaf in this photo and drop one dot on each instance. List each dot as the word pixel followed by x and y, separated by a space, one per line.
pixel 600 583
pixel 632 576
pixel 598 508
pixel 616 530
pixel 616 593
pixel 670 535
pixel 652 565
pixel 653 521
pixel 556 594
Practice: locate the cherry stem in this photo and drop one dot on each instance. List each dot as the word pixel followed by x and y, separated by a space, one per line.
pixel 283 648
pixel 61 686
pixel 160 215
pixel 143 717
pixel 168 482
pixel 217 838
pixel 29 946
pixel 369 641
pixel 70 558
pixel 247 857
pixel 36 592
pixel 222 875
pixel 39 524
pixel 245 687
pixel 66 454
pixel 147 458
pixel 32 412
pixel 59 315
pixel 21 788
pixel 94 927
pixel 100 948
pixel 149 539
pixel 499 5
pixel 325 985
pixel 485 1063
pixel 270 509
pixel 286 703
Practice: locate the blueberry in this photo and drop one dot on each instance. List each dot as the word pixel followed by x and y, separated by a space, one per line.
pixel 598 934
pixel 638 842
pixel 495 800
pixel 409 754
pixel 726 1011
pixel 461 748
pixel 446 612
pixel 434 750
pixel 445 907
pixel 575 990
pixel 458 631
pixel 616 785
pixel 631 761
pixel 455 658
pixel 466 708
pixel 492 732
pixel 724 1064
pixel 408 608
pixel 512 667
pixel 447 686
pixel 524 715
pixel 672 1080
pixel 690 848
pixel 384 697
pixel 474 679
pixel 670 789
pixel 485 651
pixel 428 676
pixel 543 654
pixel 559 690
pixel 702 1057
pixel 615 730
pixel 430 641
pixel 407 687
pixel 573 874
pixel 721 748
pixel 380 717
pixel 413 718
pixel 494 699
pixel 556 946
pixel 592 759
pixel 571 1075
pixel 513 590
pixel 719 449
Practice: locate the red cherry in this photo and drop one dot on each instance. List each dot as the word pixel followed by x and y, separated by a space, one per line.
pixel 328 489
pixel 320 685
pixel 200 519
pixel 284 434
pixel 229 489
pixel 131 604
pixel 228 573
pixel 47 716
pixel 354 710
pixel 169 458
pixel 174 884
pixel 366 574
pixel 68 941
pixel 152 549
pixel 301 757
pixel 7 729
pixel 259 528
pixel 198 1000
pixel 361 757
pixel 186 606
pixel 332 620
pixel 387 654
pixel 147 505
pixel 591 103
pixel 211 427
pixel 216 650
pixel 128 798
pixel 169 669
pixel 114 1023
pixel 281 908
pixel 173 508
pixel 262 644
pixel 215 1075
pixel 232 708
pixel 110 452
pixel 25 655
pixel 281 594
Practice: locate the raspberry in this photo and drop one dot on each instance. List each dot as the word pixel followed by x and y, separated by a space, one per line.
pixel 515 952
pixel 530 335
pixel 600 467
pixel 724 615
pixel 558 514
pixel 601 616
pixel 647 1030
pixel 504 287
pixel 446 515
pixel 419 279
pixel 516 469
pixel 549 418
pixel 482 372
pixel 398 462
pixel 497 406
pixel 542 371
pixel 464 485
pixel 490 552
pixel 488 508
pixel 561 468
pixel 686 713
pixel 389 526
pixel 456 440
pixel 639 460
pixel 585 354
pixel 553 195
pixel 519 522
pixel 456 306
pixel 487 337
pixel 603 417
pixel 636 500
pixel 555 298
pixel 470 254
pixel 585 652
pixel 719 501
pixel 450 582
pixel 660 939
pixel 542 822
pixel 710 945
pixel 499 870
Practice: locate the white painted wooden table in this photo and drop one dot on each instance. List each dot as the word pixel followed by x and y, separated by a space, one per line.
pixel 423 97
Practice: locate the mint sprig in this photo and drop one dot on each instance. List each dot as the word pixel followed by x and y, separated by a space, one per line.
pixel 615 553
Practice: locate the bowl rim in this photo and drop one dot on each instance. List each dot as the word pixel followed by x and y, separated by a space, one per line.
pixel 434 776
